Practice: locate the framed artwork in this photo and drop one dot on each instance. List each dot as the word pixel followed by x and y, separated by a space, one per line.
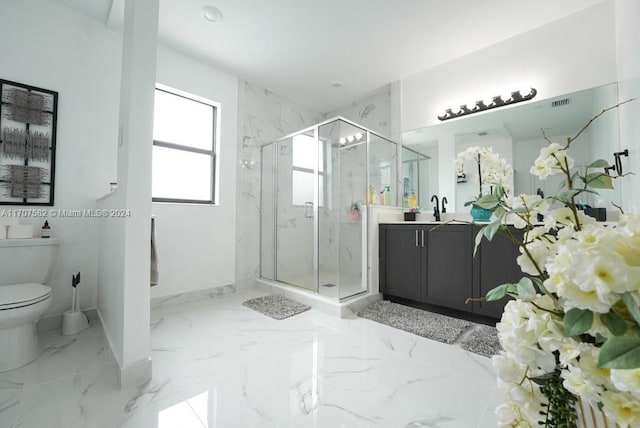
pixel 27 144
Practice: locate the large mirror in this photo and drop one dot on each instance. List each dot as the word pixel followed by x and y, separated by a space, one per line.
pixel 515 133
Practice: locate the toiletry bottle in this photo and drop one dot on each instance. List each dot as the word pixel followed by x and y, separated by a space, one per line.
pixel 371 196
pixel 387 196
pixel 46 230
pixel 413 202
pixel 381 198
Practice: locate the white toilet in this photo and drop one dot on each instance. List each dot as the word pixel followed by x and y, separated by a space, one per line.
pixel 25 265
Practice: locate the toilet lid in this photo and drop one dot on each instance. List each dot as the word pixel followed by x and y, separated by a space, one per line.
pixel 17 295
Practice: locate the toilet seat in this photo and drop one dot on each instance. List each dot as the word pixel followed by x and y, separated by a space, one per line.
pixel 20 295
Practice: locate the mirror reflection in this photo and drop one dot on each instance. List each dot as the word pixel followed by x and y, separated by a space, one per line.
pixel 515 133
pixel 415 178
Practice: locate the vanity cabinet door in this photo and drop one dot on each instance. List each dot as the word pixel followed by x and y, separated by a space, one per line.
pixel 402 265
pixel 496 265
pixel 449 266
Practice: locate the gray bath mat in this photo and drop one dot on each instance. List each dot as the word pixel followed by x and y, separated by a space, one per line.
pixel 482 340
pixel 276 306
pixel 426 324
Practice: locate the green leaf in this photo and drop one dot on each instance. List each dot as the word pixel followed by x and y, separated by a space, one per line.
pixel 499 191
pixel 488 201
pixel 598 180
pixel 577 321
pixel 614 322
pixel 526 291
pixel 538 283
pixel 497 293
pixel 567 195
pixel 620 352
pixel 491 229
pixel 632 306
pixel 478 240
pixel 600 163
pixel 466 204
pixel 499 212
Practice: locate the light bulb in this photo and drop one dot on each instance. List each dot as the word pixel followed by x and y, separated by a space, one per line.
pixel 525 91
pixel 350 138
pixel 506 96
pixel 359 136
pixel 343 141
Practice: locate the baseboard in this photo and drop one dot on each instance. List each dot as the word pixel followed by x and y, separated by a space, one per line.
pixel 54 322
pixel 192 296
pixel 134 374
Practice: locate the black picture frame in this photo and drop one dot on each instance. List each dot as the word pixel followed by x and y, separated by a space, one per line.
pixel 28 122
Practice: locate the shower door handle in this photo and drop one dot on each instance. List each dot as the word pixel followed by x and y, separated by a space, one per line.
pixel 308 209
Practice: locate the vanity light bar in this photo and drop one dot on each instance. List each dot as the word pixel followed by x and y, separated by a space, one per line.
pixel 498 101
pixel 351 138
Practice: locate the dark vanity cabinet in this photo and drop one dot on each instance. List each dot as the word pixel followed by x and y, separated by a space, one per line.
pixel 495 264
pixel 449 266
pixel 420 263
pixel 403 270
pixel 435 266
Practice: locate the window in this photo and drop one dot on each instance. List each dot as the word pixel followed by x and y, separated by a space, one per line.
pixel 305 156
pixel 184 157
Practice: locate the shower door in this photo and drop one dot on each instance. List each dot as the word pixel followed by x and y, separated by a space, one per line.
pixel 296 209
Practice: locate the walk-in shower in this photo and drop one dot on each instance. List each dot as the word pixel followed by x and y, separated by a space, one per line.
pixel 317 188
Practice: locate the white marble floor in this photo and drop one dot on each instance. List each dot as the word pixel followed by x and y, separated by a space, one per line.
pixel 219 364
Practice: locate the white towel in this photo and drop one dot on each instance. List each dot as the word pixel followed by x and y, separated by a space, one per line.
pixel 154 255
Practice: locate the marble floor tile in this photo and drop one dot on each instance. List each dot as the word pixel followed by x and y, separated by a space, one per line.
pixel 219 364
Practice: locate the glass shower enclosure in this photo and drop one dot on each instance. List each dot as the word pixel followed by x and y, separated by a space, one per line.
pixel 317 188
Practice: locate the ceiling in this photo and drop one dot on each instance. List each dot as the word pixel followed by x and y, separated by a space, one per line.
pixel 297 48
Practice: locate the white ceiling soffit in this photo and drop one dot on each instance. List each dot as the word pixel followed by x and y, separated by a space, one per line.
pixel 296 48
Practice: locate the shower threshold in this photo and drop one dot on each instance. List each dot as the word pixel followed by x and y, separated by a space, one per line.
pixel 346 308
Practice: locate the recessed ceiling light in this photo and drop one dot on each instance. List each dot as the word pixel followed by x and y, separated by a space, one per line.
pixel 212 13
pixel 337 84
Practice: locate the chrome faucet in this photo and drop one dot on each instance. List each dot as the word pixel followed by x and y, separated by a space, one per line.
pixel 444 201
pixel 436 208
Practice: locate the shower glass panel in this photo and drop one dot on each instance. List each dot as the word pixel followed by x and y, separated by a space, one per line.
pixel 318 186
pixel 383 159
pixel 296 209
pixel 341 216
pixel 267 213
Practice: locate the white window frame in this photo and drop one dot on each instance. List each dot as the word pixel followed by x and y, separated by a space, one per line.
pixel 176 146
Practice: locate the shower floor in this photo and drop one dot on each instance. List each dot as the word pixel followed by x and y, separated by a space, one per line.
pixel 347 285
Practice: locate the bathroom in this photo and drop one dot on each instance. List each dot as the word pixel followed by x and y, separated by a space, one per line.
pixel 224 252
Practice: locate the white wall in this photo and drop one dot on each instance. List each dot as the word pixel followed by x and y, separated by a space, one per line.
pixel 628 61
pixel 570 54
pixel 195 242
pixel 48 45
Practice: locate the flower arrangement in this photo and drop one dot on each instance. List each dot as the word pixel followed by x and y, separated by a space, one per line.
pixel 492 169
pixel 572 330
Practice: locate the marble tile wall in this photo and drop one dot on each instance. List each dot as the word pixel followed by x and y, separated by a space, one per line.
pixel 376 111
pixel 263 117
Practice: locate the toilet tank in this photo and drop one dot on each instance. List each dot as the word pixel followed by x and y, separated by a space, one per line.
pixel 27 260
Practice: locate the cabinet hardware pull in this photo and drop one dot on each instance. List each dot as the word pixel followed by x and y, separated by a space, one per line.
pixel 417 239
pixel 422 238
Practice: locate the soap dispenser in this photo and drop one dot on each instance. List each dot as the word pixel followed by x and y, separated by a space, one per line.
pixel 46 230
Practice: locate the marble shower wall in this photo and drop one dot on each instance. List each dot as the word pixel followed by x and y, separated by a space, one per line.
pixel 379 112
pixel 262 117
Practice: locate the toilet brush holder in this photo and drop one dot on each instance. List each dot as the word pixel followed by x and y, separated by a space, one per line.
pixel 74 322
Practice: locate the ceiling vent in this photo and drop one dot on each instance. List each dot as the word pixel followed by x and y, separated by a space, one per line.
pixel 560 103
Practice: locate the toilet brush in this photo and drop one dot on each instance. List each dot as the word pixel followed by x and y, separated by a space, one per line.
pixel 74 321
